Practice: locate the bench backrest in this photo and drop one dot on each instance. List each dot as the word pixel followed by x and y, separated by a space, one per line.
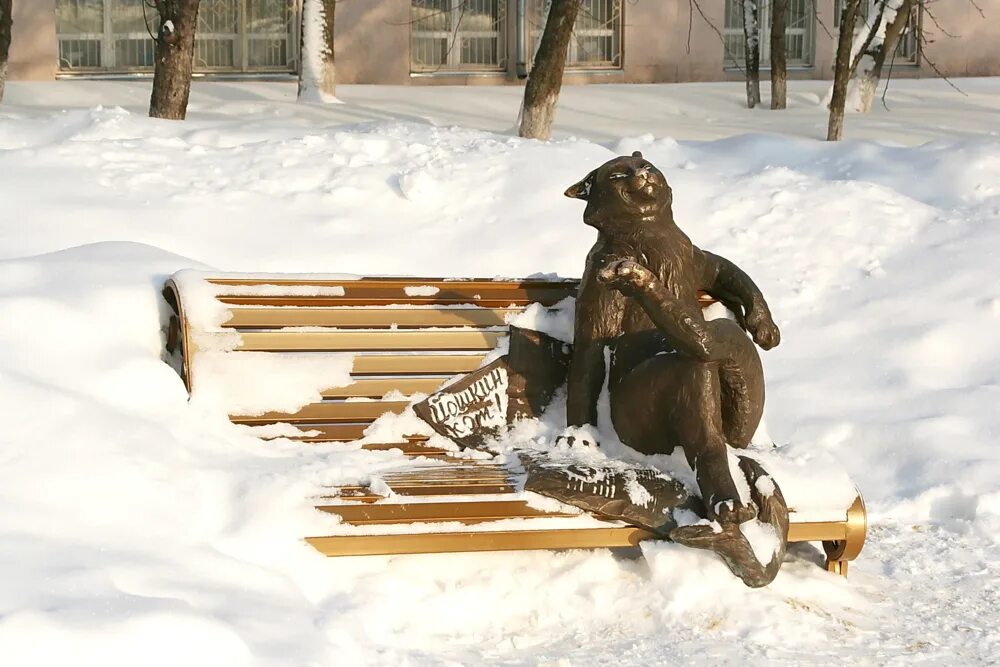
pixel 407 335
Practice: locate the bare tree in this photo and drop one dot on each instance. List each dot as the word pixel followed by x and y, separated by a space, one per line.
pixel 6 21
pixel 174 58
pixel 779 66
pixel 751 38
pixel 317 74
pixel 541 92
pixel 891 29
pixel 842 69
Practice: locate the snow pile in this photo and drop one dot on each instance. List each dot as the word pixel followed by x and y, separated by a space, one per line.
pixel 252 383
pixel 137 526
pixel 556 321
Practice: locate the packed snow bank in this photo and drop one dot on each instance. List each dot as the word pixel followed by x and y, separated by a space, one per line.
pixel 139 526
pixel 919 110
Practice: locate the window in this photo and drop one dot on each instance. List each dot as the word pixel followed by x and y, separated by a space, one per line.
pixel 799 35
pixel 465 35
pixel 232 35
pixel 80 26
pixel 597 33
pixel 908 47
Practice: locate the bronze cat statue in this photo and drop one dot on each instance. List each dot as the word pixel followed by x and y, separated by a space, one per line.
pixel 676 380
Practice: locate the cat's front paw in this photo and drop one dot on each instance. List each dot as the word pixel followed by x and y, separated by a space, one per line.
pixel 761 326
pixel 626 275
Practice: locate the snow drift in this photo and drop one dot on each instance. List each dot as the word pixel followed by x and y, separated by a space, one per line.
pixel 138 526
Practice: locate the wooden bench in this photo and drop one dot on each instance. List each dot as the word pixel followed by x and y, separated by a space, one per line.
pixel 408 336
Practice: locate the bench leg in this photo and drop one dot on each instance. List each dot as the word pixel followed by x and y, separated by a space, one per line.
pixel 840 552
pixel 837 566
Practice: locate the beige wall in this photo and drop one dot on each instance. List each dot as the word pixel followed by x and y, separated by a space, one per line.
pixel 34 53
pixel 373 44
pixel 373 41
pixel 975 49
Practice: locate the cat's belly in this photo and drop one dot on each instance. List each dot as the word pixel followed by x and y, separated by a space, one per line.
pixel 640 340
pixel 631 349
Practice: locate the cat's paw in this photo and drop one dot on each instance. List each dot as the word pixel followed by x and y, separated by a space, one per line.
pixel 577 436
pixel 626 275
pixel 761 326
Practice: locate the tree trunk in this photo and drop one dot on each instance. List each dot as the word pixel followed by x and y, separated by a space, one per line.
pixel 870 76
pixel 317 74
pixel 174 58
pixel 6 20
pixel 541 92
pixel 842 70
pixel 751 37
pixel 779 68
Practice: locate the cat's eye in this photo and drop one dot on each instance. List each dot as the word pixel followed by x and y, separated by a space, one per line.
pixel 617 175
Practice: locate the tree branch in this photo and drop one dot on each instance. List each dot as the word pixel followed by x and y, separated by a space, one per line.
pixel 820 21
pixel 872 31
pixel 937 24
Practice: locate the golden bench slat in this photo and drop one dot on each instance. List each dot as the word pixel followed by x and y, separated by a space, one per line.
pixel 410 335
pixel 398 283
pixel 379 387
pixel 336 301
pixel 342 318
pixel 466 512
pixel 506 540
pixel 416 364
pixel 497 294
pixel 443 488
pixel 325 413
pixel 327 433
pixel 367 341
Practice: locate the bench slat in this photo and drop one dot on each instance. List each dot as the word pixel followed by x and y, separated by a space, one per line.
pixel 440 479
pixel 466 512
pixel 328 433
pixel 326 413
pixel 416 364
pixel 351 341
pixel 379 387
pixel 490 510
pixel 358 292
pixel 417 447
pixel 399 282
pixel 507 540
pixel 816 531
pixel 470 488
pixel 373 512
pixel 250 317
pixel 497 301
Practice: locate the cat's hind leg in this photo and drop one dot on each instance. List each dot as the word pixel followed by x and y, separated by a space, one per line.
pixel 741 380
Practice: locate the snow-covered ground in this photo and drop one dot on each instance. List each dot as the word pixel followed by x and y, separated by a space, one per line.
pixel 138 528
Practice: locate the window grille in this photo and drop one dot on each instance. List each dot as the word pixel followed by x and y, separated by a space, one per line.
pixel 907 50
pixel 597 33
pixel 232 36
pixel 800 33
pixel 465 35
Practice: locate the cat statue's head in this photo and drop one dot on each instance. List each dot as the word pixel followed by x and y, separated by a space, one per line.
pixel 623 193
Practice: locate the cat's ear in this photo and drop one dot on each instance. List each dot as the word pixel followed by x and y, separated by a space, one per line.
pixel 636 154
pixel 581 190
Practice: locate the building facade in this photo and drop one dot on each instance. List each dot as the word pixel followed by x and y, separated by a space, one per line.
pixel 426 42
